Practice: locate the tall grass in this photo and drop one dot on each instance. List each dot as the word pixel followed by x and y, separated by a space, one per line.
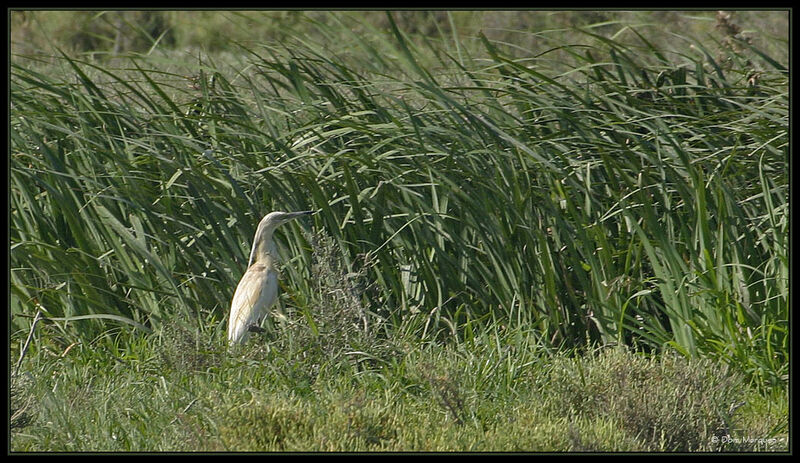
pixel 609 193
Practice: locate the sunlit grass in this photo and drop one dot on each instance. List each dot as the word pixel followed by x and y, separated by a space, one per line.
pixel 513 396
pixel 603 193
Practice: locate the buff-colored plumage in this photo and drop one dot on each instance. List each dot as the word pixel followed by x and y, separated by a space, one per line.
pixel 257 291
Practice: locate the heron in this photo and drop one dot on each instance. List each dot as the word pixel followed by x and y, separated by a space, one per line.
pixel 257 291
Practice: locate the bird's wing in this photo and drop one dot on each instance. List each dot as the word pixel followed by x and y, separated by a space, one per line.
pixel 255 293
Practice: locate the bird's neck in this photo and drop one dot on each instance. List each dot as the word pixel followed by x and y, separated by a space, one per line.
pixel 264 249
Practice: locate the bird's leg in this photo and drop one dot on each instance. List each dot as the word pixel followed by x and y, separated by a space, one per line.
pixel 255 329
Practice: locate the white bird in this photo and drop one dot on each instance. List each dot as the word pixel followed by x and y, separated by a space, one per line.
pixel 258 288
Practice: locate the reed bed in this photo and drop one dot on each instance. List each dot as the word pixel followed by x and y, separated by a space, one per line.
pixel 607 192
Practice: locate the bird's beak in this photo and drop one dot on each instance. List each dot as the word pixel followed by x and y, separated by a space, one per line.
pixel 294 215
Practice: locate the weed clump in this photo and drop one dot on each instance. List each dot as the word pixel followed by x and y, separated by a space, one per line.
pixel 448 392
pixel 269 425
pixel 334 322
pixel 183 349
pixel 22 402
pixel 339 315
pixel 669 404
pixel 373 426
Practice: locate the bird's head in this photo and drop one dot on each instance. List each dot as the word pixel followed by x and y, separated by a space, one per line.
pixel 262 243
pixel 274 219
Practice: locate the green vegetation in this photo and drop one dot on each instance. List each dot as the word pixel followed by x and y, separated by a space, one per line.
pixel 571 235
pixel 170 393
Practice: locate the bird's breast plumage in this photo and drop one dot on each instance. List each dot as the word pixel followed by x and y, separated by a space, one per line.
pixel 255 294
